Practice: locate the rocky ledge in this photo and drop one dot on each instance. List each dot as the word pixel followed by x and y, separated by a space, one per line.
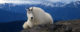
pixel 61 26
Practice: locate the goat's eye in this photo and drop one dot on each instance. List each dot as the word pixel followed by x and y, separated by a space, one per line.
pixel 28 9
pixel 31 9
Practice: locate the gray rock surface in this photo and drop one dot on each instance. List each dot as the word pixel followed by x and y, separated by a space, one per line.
pixel 40 28
pixel 61 26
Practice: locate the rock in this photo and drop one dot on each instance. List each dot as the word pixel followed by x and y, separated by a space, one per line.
pixel 69 26
pixel 40 28
pixel 61 26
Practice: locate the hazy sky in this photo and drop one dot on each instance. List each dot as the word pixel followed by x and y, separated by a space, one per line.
pixel 43 2
pixel 18 1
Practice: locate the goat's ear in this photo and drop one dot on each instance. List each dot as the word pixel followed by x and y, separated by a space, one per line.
pixel 32 9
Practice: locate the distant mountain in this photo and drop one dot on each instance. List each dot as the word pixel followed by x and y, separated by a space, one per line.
pixel 14 26
pixel 74 4
pixel 7 16
pixel 59 11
